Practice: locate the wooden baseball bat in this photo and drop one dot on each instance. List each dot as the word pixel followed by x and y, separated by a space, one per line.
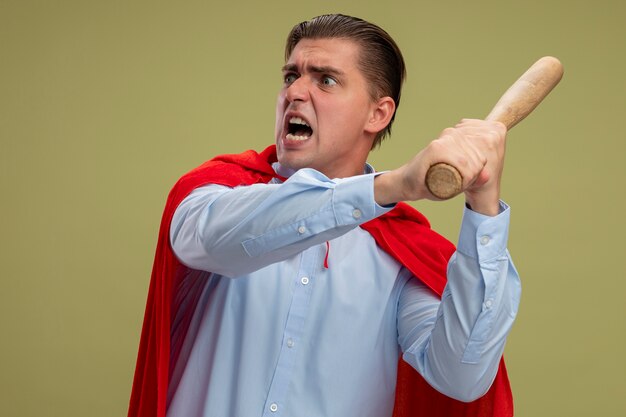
pixel 443 180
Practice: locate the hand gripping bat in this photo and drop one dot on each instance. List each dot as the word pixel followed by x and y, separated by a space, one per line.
pixel 443 180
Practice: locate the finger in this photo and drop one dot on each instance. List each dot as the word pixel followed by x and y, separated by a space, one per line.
pixel 494 124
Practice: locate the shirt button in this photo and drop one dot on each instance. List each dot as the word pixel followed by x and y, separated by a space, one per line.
pixel 304 280
pixel 301 229
pixel 290 343
pixel 273 407
pixel 484 240
pixel 356 213
pixel 488 304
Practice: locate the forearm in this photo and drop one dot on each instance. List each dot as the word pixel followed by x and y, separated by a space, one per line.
pixel 239 230
pixel 458 348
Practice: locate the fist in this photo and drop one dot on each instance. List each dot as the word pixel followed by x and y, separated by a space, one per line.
pixel 476 149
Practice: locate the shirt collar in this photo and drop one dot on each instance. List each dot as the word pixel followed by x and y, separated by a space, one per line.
pixel 288 172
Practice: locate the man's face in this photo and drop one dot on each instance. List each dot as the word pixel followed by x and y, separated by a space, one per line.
pixel 323 109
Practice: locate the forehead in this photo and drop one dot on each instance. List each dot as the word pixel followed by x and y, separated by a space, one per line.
pixel 326 51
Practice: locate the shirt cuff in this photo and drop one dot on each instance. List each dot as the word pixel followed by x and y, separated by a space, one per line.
pixel 353 200
pixel 484 237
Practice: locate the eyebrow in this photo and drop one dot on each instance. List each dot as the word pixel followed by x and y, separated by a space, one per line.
pixel 314 69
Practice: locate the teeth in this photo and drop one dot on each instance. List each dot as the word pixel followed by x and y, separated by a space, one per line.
pixel 298 121
pixel 294 120
pixel 295 137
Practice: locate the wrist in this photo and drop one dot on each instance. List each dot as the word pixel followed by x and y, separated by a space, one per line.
pixel 488 206
pixel 383 189
pixel 389 188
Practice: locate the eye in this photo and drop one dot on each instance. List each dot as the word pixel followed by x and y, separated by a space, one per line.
pixel 289 78
pixel 328 81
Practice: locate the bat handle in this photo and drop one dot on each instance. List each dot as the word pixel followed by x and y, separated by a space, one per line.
pixel 444 181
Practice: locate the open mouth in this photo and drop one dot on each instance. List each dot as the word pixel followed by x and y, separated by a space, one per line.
pixel 298 129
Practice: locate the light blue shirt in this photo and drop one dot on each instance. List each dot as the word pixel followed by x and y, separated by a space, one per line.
pixel 276 333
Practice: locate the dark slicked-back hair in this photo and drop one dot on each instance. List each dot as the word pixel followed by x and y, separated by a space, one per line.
pixel 380 59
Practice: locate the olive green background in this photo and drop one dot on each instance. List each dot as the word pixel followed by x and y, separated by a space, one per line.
pixel 103 104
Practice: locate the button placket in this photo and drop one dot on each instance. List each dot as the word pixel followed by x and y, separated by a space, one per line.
pixel 293 332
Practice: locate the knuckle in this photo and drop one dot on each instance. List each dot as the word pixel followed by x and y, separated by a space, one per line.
pixel 462 161
pixel 438 145
pixel 449 132
pixel 498 127
pixel 493 139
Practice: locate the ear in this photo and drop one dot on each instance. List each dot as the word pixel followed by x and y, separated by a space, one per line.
pixel 382 112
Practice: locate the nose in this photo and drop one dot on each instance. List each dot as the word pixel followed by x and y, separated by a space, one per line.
pixel 298 90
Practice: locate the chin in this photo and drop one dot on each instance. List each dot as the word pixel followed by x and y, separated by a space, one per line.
pixel 293 162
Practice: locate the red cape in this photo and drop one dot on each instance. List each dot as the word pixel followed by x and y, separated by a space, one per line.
pixel 403 232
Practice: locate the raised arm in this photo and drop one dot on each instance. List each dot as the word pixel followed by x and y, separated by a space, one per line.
pixel 233 231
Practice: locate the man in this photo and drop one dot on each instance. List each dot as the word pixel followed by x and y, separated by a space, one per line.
pixel 291 282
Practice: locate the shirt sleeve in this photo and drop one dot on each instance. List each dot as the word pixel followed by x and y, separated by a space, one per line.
pixel 457 343
pixel 233 231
